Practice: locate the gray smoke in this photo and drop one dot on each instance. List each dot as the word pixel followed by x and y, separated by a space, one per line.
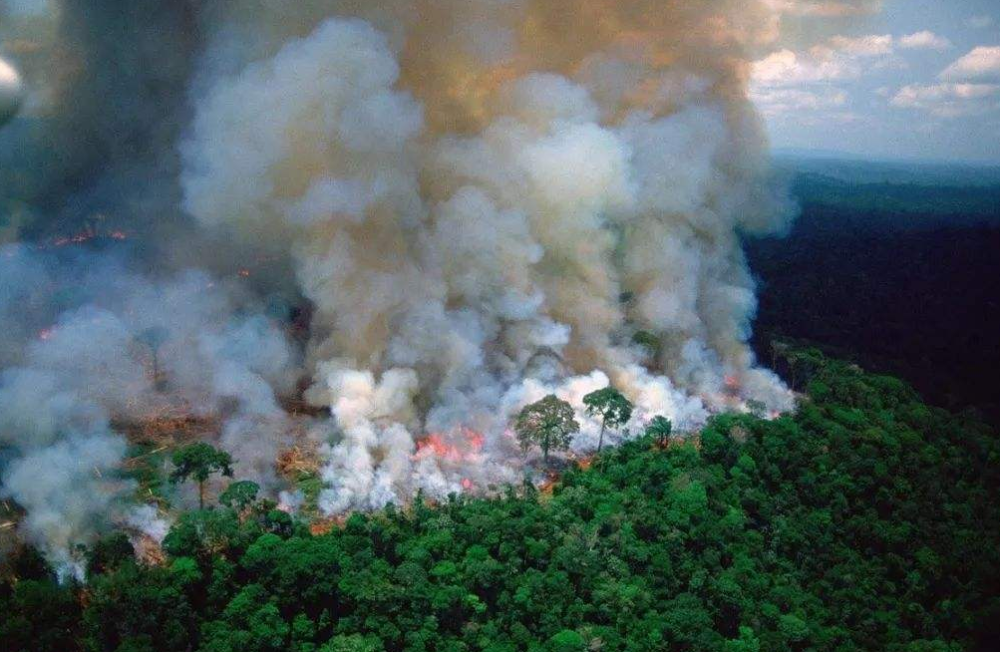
pixel 478 202
pixel 87 344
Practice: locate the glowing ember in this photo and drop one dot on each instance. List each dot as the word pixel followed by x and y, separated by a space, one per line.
pixel 85 236
pixel 475 439
pixel 434 444
pixel 46 334
pixel 549 484
pixel 320 527
pixel 467 484
pixel 244 273
pixel 437 445
pixel 74 239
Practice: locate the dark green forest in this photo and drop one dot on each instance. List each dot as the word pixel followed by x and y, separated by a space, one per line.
pixel 899 275
pixel 865 521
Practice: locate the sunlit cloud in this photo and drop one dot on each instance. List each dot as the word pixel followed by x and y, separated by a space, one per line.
pixel 925 40
pixel 982 64
pixel 791 100
pixel 828 8
pixel 948 100
pixel 787 68
pixel 863 46
pixel 840 58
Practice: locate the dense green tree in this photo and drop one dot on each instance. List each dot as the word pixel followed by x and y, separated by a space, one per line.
pixel 566 641
pixel 109 553
pixel 199 461
pixel 611 406
pixel 240 495
pixel 866 521
pixel 649 341
pixel 353 643
pixel 660 428
pixel 138 608
pixel 549 423
pixel 38 616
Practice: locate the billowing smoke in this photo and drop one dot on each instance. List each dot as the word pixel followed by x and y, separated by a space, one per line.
pixel 415 216
pixel 103 351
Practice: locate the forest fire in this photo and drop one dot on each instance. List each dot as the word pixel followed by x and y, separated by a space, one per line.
pixel 434 444
pixel 467 448
pixel 400 245
pixel 427 325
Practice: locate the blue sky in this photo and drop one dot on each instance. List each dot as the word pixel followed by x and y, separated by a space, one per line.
pixel 914 79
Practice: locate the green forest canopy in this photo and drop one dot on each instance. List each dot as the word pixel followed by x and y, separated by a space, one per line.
pixel 866 521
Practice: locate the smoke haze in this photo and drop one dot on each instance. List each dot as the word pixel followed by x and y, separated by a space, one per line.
pixel 472 204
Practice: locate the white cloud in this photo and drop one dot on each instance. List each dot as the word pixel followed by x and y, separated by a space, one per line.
pixel 980 22
pixel 842 57
pixel 791 100
pixel 924 40
pixel 874 45
pixel 982 64
pixel 949 100
pixel 827 8
pixel 787 68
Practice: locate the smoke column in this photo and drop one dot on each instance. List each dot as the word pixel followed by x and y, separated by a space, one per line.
pixel 478 202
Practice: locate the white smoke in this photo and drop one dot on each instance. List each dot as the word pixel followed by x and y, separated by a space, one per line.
pixel 446 241
pixel 128 350
pixel 481 202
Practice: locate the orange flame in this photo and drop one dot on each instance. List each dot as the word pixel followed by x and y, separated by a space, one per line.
pixel 84 236
pixel 434 444
pixel 437 445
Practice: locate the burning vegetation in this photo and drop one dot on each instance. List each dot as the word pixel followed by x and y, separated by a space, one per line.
pixel 356 246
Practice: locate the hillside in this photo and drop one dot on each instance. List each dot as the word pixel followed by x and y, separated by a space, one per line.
pixel 898 275
pixel 866 521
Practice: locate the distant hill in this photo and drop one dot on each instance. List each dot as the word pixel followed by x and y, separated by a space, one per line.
pixel 892 270
pixel 856 170
pixel 864 522
pixel 840 195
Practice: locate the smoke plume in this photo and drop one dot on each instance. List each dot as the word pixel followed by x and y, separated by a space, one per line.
pixel 415 216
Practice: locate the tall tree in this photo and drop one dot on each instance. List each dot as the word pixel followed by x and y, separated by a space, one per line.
pixel 199 461
pixel 660 427
pixel 614 409
pixel 549 423
pixel 240 495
